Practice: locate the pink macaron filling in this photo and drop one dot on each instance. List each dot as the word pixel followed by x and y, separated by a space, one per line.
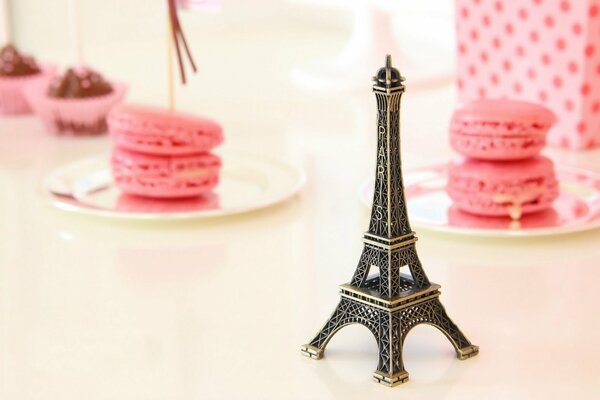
pixel 165 176
pixel 497 147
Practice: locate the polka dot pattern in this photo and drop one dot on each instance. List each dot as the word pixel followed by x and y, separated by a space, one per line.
pixel 545 51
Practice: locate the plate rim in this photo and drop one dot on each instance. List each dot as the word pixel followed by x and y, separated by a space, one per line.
pixel 494 233
pixel 67 203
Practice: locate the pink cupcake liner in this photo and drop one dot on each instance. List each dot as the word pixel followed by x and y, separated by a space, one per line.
pixel 12 90
pixel 80 117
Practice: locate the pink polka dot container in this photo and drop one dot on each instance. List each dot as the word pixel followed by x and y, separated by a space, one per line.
pixel 545 52
pixel 76 103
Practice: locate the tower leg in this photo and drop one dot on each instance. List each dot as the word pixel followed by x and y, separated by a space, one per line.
pixel 316 347
pixel 347 312
pixel 462 345
pixel 390 369
pixel 433 312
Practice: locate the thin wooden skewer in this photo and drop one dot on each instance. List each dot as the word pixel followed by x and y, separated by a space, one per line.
pixel 170 76
pixel 6 21
pixel 179 40
pixel 75 25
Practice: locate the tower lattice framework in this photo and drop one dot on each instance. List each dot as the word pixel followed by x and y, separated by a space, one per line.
pixel 389 303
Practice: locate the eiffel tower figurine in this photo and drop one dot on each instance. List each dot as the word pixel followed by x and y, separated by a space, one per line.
pixel 389 303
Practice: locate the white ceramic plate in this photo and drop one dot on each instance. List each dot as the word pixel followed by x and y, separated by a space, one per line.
pixel 429 207
pixel 247 183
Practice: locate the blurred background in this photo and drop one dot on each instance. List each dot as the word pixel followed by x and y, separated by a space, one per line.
pixel 256 44
pixel 249 54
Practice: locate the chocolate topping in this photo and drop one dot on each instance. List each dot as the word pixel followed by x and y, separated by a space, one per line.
pixel 14 64
pixel 79 83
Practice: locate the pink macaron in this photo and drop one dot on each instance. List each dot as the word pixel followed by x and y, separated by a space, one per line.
pixel 503 188
pixel 160 131
pixel 500 129
pixel 163 176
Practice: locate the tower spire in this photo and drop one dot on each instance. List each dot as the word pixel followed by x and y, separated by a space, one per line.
pixel 388 79
pixel 388 67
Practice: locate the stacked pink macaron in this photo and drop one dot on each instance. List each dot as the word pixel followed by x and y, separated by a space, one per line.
pixel 163 154
pixel 502 173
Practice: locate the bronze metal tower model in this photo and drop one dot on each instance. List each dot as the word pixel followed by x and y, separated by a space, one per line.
pixel 389 303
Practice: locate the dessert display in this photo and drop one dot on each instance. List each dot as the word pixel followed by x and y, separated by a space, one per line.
pixel 503 188
pixel 17 71
pixel 500 129
pixel 503 173
pixel 163 154
pixel 75 103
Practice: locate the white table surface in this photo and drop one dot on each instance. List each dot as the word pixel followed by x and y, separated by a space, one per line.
pixel 217 309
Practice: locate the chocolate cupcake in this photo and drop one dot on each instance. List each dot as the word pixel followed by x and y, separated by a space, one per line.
pixel 17 71
pixel 12 63
pixel 76 102
pixel 79 84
